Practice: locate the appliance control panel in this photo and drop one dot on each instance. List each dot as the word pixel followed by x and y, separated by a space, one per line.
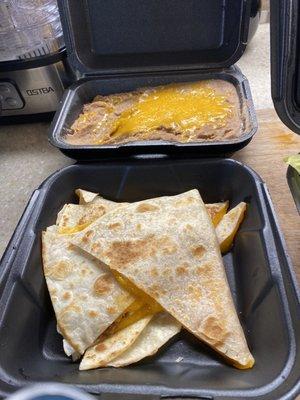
pixel 10 98
pixel 31 91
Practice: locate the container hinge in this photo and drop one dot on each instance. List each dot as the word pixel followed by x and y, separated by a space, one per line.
pixel 116 74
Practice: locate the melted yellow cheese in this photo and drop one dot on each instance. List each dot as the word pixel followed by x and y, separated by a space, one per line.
pixel 143 306
pixel 141 296
pixel 229 226
pixel 74 229
pixel 180 107
pixel 216 211
pixel 136 311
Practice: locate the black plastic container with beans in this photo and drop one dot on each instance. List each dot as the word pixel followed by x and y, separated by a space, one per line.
pixel 121 46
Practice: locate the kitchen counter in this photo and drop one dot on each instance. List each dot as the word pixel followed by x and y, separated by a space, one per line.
pixel 26 157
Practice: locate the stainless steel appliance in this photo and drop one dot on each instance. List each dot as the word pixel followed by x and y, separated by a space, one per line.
pixel 33 70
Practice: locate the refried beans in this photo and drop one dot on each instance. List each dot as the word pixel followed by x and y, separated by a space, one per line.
pixel 207 110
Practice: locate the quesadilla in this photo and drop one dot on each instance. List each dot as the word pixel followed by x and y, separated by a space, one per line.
pixel 158 332
pixel 216 211
pixel 85 196
pixel 167 247
pixel 229 225
pixel 108 348
pixel 86 297
pixel 73 214
pixel 75 217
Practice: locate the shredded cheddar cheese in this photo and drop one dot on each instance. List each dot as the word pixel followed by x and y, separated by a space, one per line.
pixel 174 106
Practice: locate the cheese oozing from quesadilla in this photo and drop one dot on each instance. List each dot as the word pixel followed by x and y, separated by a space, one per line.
pixel 160 326
pixel 168 248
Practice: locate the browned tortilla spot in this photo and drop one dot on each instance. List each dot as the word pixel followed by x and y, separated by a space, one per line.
pixel 71 246
pixel 102 285
pixel 93 314
pixel 205 270
pixel 59 271
pixel 169 247
pixel 101 208
pixel 65 220
pixel 111 310
pixel 144 207
pixel 194 292
pixel 166 272
pixel 100 347
pixel 188 228
pixel 198 251
pixel 154 272
pixel 182 269
pixel 114 226
pixel 66 295
pixel 86 237
pixel 82 220
pixel 213 330
pixel 95 247
pixel 123 253
pixel 184 201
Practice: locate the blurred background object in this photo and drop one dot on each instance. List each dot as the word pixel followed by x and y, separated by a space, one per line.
pixel 29 28
pixel 255 18
pixel 33 68
pixel 265 11
pixel 50 391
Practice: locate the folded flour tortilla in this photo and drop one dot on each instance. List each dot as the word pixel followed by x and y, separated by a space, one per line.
pixel 168 248
pixel 85 196
pixel 108 348
pixel 130 345
pixel 85 295
pixel 158 332
pixel 229 225
pixel 76 217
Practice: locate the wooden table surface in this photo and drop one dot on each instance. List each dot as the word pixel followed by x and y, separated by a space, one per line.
pixel 265 154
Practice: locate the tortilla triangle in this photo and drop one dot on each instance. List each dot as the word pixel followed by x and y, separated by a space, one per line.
pixel 85 295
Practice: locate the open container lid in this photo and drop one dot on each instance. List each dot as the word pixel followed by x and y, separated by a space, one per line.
pixel 285 61
pixel 130 36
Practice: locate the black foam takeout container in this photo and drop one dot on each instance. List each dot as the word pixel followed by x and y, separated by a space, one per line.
pixel 85 90
pixel 166 42
pixel 120 46
pixel 257 267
